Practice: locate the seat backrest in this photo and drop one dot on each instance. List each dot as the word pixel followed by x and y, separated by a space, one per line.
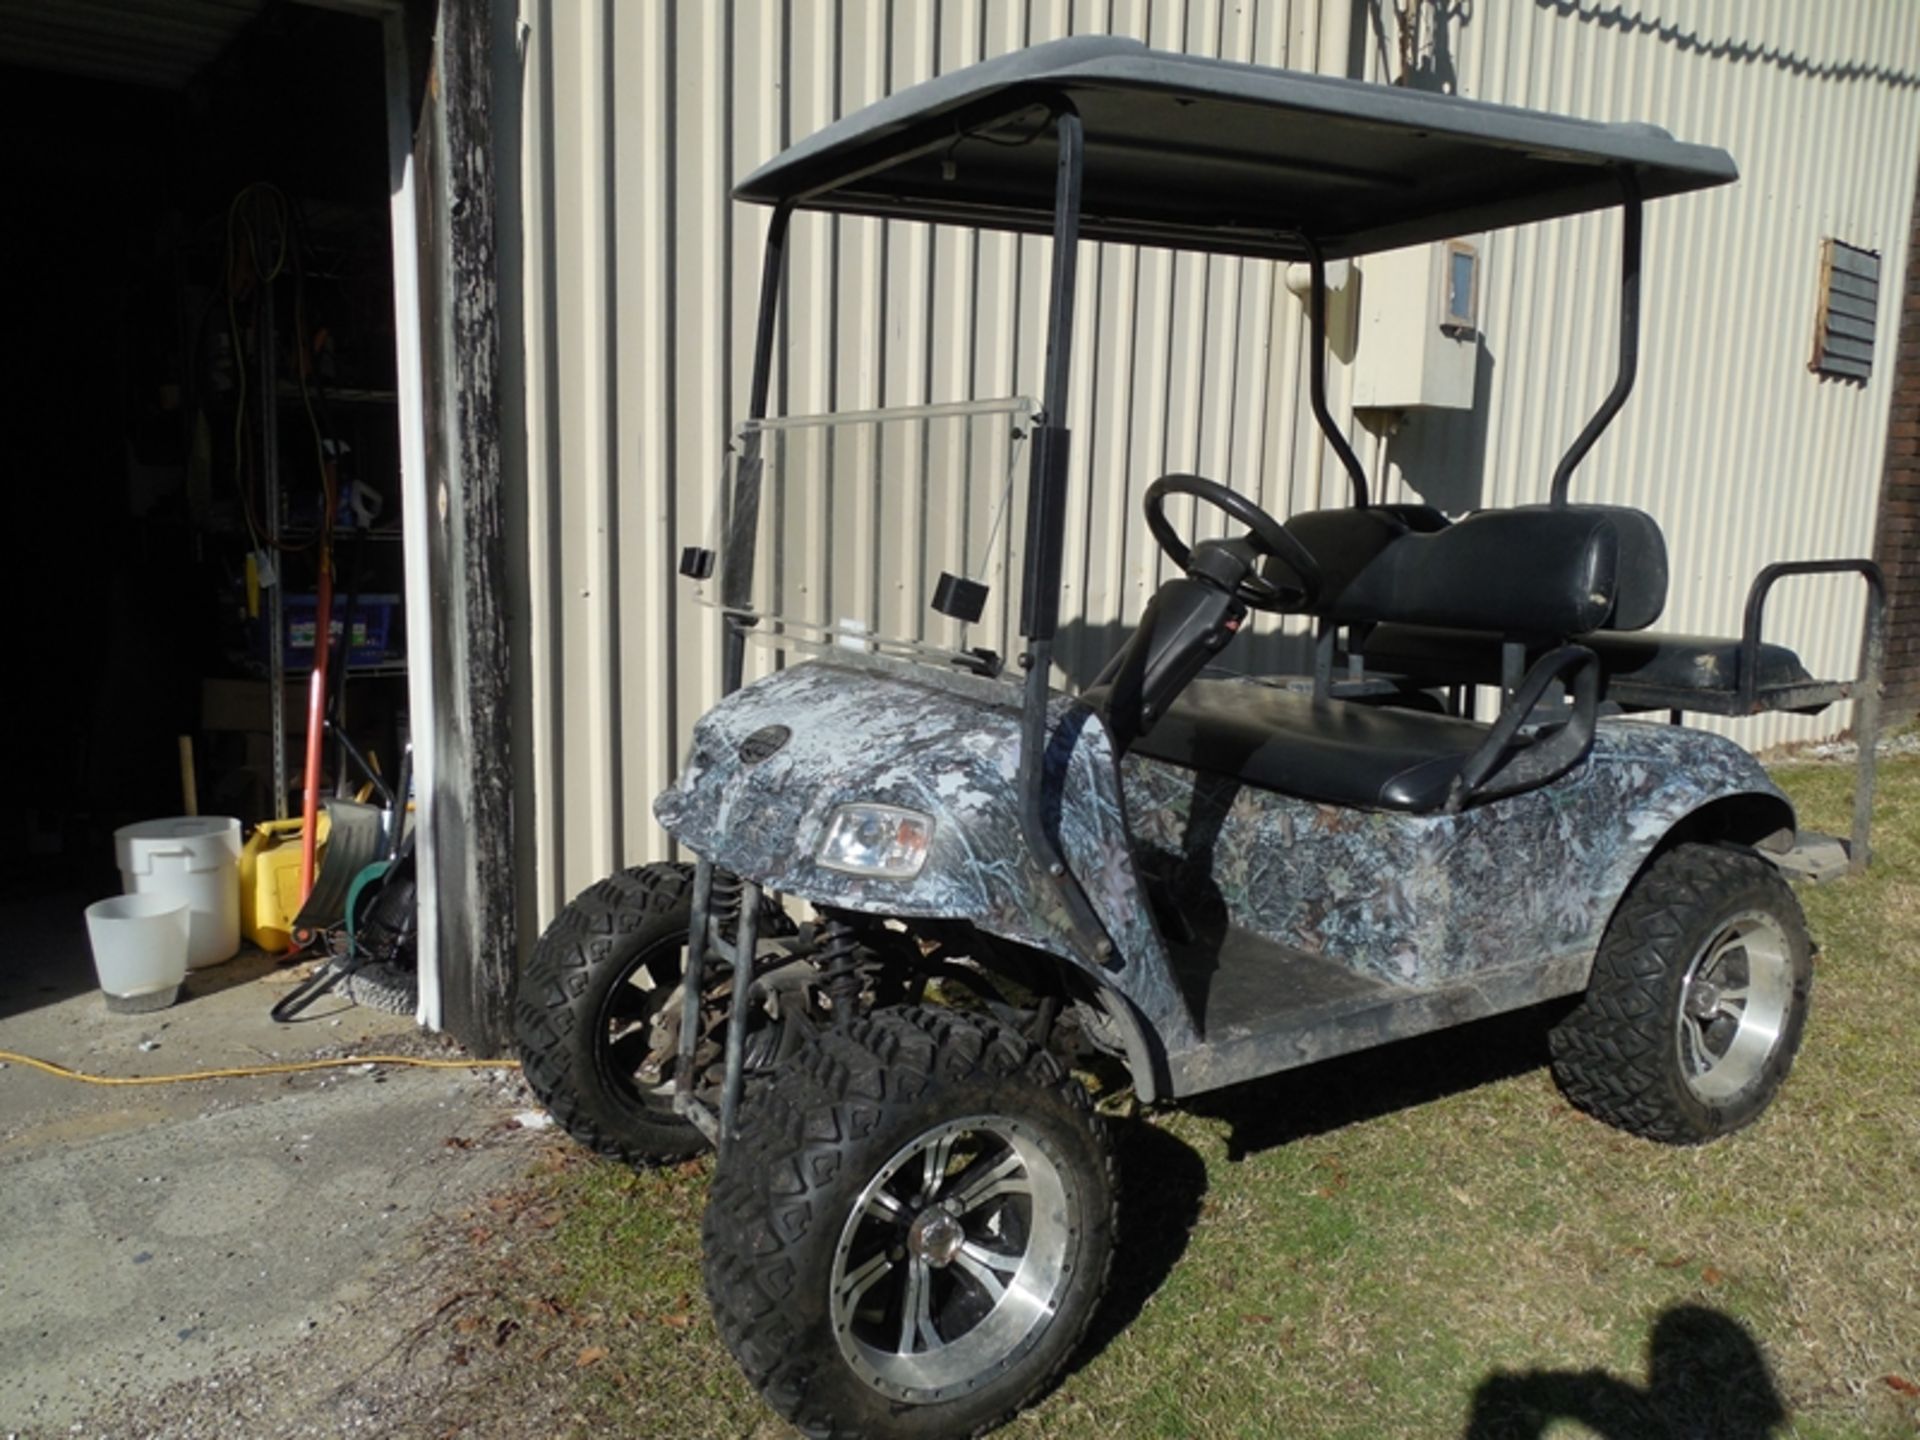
pixel 1534 570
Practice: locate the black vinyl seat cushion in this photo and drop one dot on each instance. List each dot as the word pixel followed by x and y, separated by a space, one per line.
pixel 1337 751
pixel 1679 665
pixel 1547 571
pixel 1693 662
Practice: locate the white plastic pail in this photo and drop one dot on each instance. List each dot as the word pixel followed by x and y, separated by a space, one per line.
pixel 139 949
pixel 195 859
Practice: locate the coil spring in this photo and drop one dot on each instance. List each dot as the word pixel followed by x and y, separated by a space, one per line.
pixel 723 904
pixel 839 959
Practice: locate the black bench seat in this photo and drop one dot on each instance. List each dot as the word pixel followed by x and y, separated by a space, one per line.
pixel 1340 752
pixel 1554 569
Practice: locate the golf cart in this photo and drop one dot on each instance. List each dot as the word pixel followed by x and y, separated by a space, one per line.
pixel 929 886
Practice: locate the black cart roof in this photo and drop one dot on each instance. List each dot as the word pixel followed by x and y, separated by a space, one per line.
pixel 1213 155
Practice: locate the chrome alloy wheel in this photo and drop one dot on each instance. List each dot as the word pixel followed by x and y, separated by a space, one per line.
pixel 953 1260
pixel 1734 1003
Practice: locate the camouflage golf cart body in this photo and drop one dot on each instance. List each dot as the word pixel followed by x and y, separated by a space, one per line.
pixel 928 884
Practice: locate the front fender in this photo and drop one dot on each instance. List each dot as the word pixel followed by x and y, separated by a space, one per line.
pixel 950 751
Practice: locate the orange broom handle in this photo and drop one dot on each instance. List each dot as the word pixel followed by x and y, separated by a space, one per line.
pixel 316 721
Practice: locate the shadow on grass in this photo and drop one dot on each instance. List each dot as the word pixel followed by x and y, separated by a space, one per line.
pixel 1706 1376
pixel 1346 1091
pixel 1162 1182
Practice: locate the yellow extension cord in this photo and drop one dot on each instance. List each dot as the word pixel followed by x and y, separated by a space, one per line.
pixel 291 1067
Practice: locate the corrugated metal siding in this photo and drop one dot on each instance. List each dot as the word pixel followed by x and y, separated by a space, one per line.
pixel 1740 452
pixel 640 279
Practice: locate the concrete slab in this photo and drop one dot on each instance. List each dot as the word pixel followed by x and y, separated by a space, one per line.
pixel 159 1233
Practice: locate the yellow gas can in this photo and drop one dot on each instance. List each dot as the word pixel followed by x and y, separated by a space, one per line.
pixel 270 880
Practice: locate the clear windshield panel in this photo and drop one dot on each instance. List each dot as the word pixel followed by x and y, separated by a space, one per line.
pixel 837 530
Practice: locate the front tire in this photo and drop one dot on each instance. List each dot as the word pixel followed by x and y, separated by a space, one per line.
pixel 913 1229
pixel 608 965
pixel 1697 1001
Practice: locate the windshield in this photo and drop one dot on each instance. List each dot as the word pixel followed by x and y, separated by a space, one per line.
pixel 848 530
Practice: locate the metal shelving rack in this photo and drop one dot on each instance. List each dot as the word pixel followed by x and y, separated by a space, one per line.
pixel 276 598
pixel 279 390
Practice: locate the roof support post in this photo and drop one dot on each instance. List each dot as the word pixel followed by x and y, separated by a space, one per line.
pixel 1317 370
pixel 1046 539
pixel 1046 492
pixel 1629 340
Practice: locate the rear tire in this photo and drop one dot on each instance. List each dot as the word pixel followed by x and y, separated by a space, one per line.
pixel 1697 1001
pixel 579 983
pixel 913 1229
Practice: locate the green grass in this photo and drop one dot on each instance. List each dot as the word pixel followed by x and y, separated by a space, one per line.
pixel 1367 1248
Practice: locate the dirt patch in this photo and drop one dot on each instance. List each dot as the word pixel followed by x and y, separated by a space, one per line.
pixel 417 1349
pixel 262 1268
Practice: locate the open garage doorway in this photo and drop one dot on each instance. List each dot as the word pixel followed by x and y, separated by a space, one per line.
pixel 213 374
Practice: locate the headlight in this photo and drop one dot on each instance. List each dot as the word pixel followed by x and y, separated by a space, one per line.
pixel 876 840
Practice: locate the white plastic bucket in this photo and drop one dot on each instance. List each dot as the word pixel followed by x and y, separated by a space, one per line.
pixel 195 859
pixel 139 949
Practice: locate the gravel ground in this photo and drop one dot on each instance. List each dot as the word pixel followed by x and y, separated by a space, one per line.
pixel 262 1256
pixel 1905 742
pixel 278 1258
pixel 347 1343
pixel 388 1358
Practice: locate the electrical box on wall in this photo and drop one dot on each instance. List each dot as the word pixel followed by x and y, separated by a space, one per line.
pixel 1418 338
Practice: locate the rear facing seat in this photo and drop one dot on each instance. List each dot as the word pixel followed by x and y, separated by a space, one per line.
pixel 1427 645
pixel 1651 669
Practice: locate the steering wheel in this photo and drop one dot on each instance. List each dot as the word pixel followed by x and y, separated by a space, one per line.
pixel 1265 535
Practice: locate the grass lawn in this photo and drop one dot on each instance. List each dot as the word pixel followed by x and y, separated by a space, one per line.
pixel 1425 1241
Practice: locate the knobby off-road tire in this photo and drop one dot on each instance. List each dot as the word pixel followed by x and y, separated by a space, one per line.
pixel 854 1188
pixel 1697 1001
pixel 386 988
pixel 388 977
pixel 630 927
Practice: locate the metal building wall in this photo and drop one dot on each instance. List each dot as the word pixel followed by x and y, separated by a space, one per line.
pixel 638 276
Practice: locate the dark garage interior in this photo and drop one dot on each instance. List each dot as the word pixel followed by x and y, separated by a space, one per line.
pixel 209 215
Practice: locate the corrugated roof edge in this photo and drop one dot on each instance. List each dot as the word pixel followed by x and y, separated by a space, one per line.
pixel 1125 63
pixel 930 97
